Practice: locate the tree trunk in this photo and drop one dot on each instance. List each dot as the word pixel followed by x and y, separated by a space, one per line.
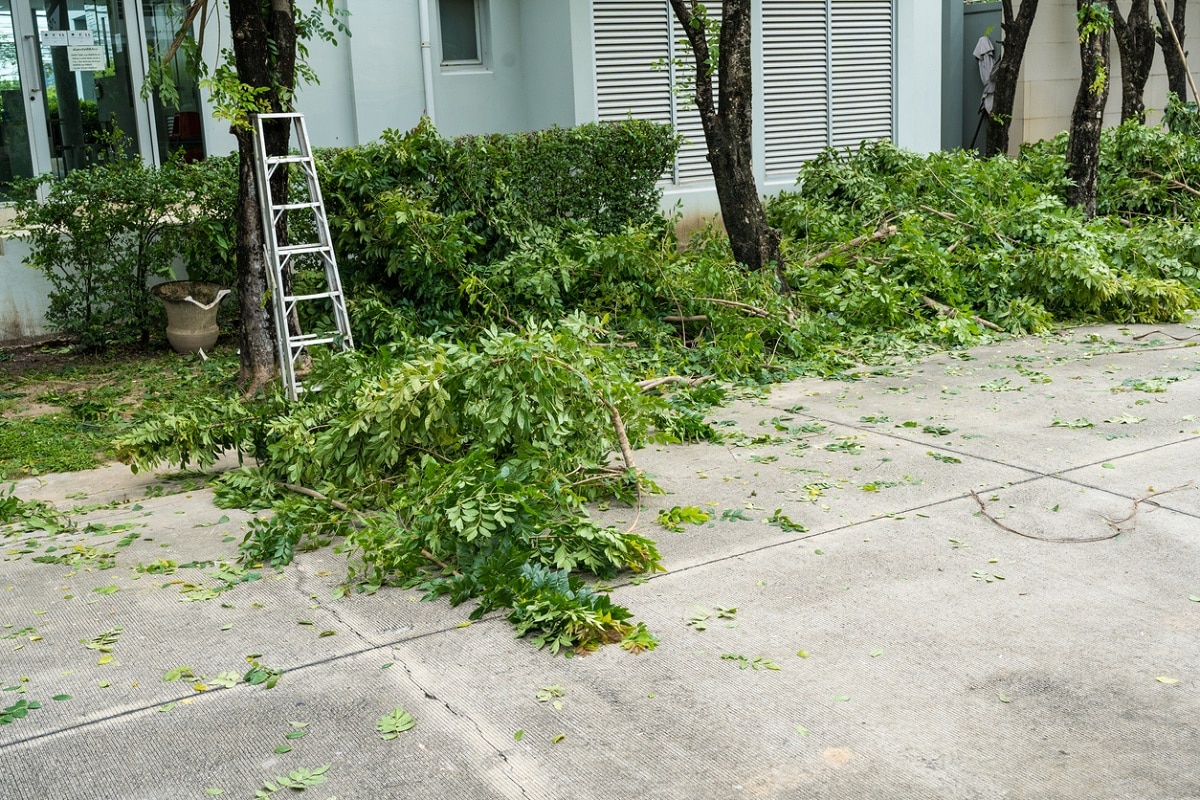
pixel 727 128
pixel 1177 80
pixel 264 48
pixel 1016 29
pixel 1083 145
pixel 1136 46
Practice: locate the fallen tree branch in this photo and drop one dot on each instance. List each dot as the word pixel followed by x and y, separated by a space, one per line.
pixel 614 414
pixel 881 233
pixel 1172 182
pixel 440 563
pixel 693 318
pixel 950 311
pixel 753 311
pixel 1141 336
pixel 942 214
pixel 1054 539
pixel 314 494
pixel 654 383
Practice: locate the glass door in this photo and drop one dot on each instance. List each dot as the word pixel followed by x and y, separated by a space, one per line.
pixel 91 105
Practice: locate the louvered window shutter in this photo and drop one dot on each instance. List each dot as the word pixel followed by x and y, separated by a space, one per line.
pixel 862 71
pixel 827 76
pixel 795 83
pixel 631 37
pixel 637 45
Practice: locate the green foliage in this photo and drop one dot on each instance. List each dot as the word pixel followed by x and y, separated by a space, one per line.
pixel 461 468
pixel 991 239
pixel 424 214
pixel 49 443
pixel 676 517
pixel 103 232
pixel 1181 117
pixel 391 725
pixel 457 450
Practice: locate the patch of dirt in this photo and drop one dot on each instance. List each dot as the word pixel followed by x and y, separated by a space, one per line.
pixel 16 361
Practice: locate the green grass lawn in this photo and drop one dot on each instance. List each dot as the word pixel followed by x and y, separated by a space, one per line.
pixel 60 411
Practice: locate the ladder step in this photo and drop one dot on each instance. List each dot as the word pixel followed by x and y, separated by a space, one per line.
pixel 301 249
pixel 295 206
pixel 308 339
pixel 318 296
pixel 273 160
pixel 281 115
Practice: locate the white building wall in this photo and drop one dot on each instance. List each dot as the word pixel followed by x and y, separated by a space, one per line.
pixel 1050 74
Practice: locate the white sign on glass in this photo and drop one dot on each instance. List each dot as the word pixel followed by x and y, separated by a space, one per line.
pixel 85 59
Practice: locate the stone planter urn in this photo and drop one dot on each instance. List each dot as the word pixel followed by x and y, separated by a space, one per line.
pixel 191 313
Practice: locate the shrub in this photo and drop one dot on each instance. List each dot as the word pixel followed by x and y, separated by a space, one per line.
pixel 103 232
pixel 991 238
pixel 419 213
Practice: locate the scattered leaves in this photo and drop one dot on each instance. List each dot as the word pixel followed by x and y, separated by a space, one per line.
pixel 393 724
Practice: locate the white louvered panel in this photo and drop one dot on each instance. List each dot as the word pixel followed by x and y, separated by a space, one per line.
pixel 692 162
pixel 862 59
pixel 630 38
pixel 795 89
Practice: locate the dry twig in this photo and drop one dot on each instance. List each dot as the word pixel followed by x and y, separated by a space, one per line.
pixel 1055 539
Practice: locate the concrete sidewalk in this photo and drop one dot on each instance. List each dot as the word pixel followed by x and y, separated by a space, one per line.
pixel 953 645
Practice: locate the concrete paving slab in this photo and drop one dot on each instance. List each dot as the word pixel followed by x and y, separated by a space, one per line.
pixel 1130 400
pixel 1166 476
pixel 813 487
pixel 952 651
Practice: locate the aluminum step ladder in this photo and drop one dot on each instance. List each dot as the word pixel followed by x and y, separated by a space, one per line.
pixel 282 260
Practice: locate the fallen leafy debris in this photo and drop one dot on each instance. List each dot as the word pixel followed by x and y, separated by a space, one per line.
pixel 296 780
pixel 18 710
pixel 676 517
pixel 756 663
pixel 394 723
pixel 782 521
pixel 260 674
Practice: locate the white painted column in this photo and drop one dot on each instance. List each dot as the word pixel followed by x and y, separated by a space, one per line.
pixel 918 94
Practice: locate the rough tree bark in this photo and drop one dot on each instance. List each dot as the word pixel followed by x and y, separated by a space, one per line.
pixel 1136 47
pixel 1177 80
pixel 1083 144
pixel 264 48
pixel 1016 29
pixel 727 126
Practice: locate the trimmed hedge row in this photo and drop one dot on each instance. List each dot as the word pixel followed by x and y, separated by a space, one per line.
pixel 420 213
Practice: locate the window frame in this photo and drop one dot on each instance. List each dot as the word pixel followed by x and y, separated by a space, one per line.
pixel 480 62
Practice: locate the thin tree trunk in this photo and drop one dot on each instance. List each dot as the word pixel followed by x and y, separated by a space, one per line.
pixel 264 47
pixel 727 128
pixel 1177 80
pixel 1087 118
pixel 1136 46
pixel 1016 29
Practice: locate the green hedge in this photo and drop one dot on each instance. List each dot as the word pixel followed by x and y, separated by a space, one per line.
pixel 421 214
pixel 601 175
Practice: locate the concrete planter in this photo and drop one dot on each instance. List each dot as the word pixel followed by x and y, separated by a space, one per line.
pixel 191 313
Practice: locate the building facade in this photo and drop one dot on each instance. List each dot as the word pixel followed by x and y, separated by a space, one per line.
pixel 828 73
